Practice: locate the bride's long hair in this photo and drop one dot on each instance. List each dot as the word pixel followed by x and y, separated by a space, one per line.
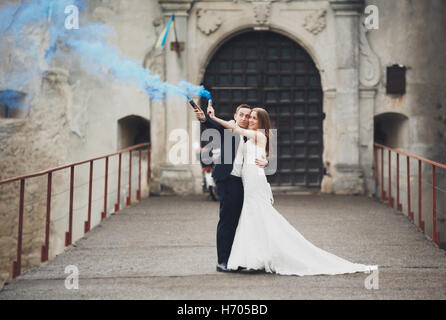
pixel 264 123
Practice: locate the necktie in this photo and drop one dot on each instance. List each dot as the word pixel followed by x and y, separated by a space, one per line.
pixel 245 138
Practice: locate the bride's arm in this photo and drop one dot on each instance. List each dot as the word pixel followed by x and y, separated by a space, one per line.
pixel 251 134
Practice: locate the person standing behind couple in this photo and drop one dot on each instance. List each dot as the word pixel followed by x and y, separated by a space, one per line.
pixel 228 180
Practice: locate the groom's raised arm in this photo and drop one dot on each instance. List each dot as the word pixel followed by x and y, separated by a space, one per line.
pixel 207 121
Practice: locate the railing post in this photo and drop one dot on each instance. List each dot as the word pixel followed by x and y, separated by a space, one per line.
pixel 148 163
pixel 69 234
pixel 138 192
pixel 383 193
pixel 435 234
pixel 104 213
pixel 409 211
pixel 390 180
pixel 420 221
pixel 117 204
pixel 87 223
pixel 17 265
pixel 375 158
pixel 45 248
pixel 399 206
pixel 129 197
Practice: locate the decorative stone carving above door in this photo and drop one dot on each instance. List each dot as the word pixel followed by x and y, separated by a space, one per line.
pixel 369 66
pixel 208 21
pixel 262 11
pixel 315 21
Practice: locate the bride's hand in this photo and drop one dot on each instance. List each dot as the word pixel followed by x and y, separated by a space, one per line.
pixel 211 111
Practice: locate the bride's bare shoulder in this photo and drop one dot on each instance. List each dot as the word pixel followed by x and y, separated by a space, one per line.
pixel 260 139
pixel 260 136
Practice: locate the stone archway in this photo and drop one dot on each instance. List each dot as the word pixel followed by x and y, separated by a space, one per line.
pixel 270 70
pixel 392 129
pixel 132 130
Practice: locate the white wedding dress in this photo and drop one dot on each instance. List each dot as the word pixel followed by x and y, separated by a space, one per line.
pixel 264 239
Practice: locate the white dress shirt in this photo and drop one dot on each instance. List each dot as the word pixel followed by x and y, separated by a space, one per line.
pixel 238 160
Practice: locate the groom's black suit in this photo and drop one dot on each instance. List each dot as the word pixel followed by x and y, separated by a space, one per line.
pixel 230 190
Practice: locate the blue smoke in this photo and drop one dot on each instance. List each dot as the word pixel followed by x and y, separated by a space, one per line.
pixel 88 45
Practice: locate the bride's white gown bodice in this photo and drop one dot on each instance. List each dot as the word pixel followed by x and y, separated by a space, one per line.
pixel 265 240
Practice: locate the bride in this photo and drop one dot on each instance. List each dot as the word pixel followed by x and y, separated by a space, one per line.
pixel 264 239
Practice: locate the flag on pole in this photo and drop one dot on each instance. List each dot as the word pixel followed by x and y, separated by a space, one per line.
pixel 163 36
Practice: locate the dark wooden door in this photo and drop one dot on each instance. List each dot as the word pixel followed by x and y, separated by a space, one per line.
pixel 268 70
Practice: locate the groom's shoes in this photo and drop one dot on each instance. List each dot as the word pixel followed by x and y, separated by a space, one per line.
pixel 223 267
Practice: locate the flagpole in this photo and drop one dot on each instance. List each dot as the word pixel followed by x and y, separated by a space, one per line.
pixel 176 38
pixel 175 28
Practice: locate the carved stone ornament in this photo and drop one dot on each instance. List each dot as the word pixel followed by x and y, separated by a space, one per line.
pixel 262 10
pixel 154 59
pixel 369 66
pixel 105 11
pixel 208 21
pixel 315 22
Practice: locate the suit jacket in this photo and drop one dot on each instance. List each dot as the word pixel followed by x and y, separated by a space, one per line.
pixel 230 144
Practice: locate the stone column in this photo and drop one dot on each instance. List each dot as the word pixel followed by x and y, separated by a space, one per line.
pixel 176 178
pixel 329 126
pixel 367 107
pixel 369 77
pixel 347 175
pixel 155 61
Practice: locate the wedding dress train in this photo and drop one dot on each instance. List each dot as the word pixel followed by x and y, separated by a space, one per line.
pixel 264 239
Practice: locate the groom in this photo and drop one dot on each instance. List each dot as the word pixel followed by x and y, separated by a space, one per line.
pixel 228 179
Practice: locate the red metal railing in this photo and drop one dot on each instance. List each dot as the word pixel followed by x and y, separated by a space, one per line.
pixel 387 197
pixel 16 267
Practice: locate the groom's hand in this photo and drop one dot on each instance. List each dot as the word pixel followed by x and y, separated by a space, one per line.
pixel 200 114
pixel 262 163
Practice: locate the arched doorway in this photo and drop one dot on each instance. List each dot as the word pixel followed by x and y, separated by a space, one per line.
pixel 391 129
pixel 266 69
pixel 132 130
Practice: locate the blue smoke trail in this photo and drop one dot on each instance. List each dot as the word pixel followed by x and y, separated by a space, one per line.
pixel 18 24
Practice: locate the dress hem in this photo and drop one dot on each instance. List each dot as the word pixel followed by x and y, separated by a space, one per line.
pixel 291 273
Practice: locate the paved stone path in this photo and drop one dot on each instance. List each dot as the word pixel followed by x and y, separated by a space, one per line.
pixel 164 248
